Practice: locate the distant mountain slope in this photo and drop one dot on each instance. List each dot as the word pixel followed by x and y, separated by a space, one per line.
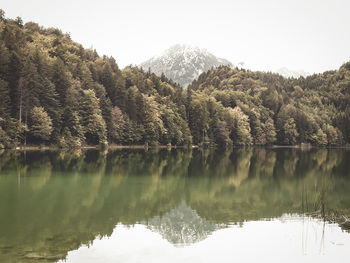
pixel 183 63
pixel 288 73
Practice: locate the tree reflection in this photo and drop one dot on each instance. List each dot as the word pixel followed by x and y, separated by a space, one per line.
pixel 52 202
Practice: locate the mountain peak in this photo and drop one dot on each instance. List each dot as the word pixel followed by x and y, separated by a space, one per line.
pixel 184 49
pixel 183 63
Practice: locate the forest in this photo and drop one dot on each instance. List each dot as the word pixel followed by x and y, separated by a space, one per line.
pixel 55 92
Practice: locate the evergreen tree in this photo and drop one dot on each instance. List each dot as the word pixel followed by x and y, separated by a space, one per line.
pixel 92 120
pixel 41 124
pixel 85 98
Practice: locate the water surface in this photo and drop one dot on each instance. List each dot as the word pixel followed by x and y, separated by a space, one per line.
pixel 175 206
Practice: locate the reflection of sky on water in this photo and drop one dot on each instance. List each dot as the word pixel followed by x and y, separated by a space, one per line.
pixel 54 202
pixel 286 239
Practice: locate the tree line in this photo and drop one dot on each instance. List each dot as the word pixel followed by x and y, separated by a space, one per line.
pixel 55 92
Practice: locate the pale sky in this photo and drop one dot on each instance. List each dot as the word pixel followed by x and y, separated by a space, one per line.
pixel 312 35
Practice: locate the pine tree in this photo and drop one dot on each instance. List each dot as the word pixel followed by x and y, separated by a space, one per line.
pixel 92 120
pixel 41 124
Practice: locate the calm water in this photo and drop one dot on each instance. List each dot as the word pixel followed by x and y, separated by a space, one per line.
pixel 245 205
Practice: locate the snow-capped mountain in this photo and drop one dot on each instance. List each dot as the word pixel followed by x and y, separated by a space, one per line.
pixel 287 73
pixel 183 63
pixel 182 226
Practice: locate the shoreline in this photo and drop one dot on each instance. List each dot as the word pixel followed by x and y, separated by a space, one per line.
pixel 116 146
pixel 93 147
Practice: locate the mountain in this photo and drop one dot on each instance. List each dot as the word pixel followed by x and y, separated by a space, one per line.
pixel 183 63
pixel 55 92
pixel 288 73
pixel 182 226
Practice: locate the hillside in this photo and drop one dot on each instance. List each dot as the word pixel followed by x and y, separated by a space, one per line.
pixel 55 92
pixel 183 63
pixel 272 109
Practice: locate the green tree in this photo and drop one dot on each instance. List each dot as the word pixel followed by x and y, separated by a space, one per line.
pixel 270 131
pixel 239 126
pixel 199 118
pixel 321 138
pixel 332 134
pixel 117 125
pixel 221 133
pixel 68 141
pixel 41 124
pixel 290 133
pixel 5 101
pixel 92 120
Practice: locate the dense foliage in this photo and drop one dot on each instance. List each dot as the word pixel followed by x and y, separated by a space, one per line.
pixel 246 107
pixel 53 91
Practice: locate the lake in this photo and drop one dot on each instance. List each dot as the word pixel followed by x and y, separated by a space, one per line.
pixel 132 205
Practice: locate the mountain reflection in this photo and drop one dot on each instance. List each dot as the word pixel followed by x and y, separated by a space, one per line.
pixel 181 226
pixel 53 202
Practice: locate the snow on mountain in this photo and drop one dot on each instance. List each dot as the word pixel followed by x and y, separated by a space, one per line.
pixel 182 226
pixel 183 63
pixel 287 73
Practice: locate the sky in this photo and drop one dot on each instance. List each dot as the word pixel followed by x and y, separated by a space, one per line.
pixel 309 35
